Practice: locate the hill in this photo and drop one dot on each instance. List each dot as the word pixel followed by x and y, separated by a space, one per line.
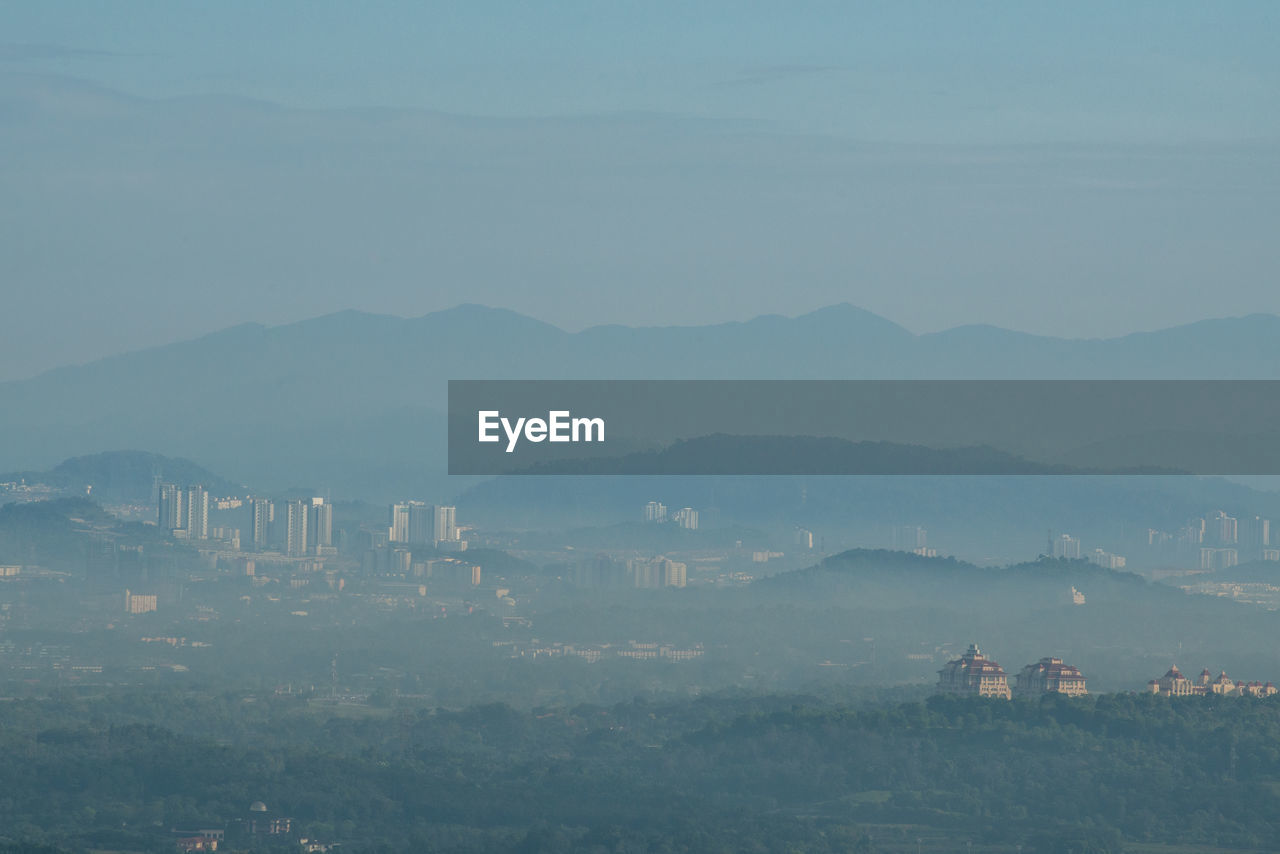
pixel 59 534
pixel 126 476
pixel 1126 632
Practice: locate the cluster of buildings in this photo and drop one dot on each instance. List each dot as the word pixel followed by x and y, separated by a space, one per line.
pixel 1067 546
pixel 1220 541
pixel 184 511
pixel 258 827
pixel 644 573
pixel 446 572
pixel 304 529
pixel 685 517
pixel 633 650
pixel 297 528
pixel 975 675
pixel 914 539
pixel 300 527
pixel 416 523
pixel 1175 684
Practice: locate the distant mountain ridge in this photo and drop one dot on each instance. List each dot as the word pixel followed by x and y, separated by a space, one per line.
pixel 722 454
pixel 352 393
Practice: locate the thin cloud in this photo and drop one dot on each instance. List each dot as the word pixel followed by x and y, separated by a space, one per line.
pixel 10 52
pixel 760 74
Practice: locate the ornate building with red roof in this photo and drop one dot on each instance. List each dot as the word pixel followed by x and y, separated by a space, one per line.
pixel 1050 676
pixel 1174 684
pixel 973 675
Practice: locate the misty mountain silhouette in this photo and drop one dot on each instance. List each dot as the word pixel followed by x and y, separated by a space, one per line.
pixel 722 454
pixel 345 396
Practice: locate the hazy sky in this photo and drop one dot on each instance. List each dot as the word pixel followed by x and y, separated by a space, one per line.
pixel 1076 169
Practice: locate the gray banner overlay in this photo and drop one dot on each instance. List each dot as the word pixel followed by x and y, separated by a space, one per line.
pixel 737 427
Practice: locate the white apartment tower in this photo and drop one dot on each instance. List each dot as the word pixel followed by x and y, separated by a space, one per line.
pixel 296 528
pixel 319 525
pixel 171 516
pixel 655 511
pixel 686 517
pixel 197 507
pixel 1066 546
pixel 444 524
pixel 398 532
pixel 261 514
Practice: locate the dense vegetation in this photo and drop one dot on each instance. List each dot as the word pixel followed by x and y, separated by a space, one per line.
pixel 766 773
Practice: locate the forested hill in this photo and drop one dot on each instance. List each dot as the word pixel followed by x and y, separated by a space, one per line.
pixel 125 476
pixel 716 774
pixel 57 534
pixel 897 577
pixel 1125 632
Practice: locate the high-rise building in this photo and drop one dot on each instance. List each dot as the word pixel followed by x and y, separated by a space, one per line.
pixel 296 513
pixel 1255 536
pixel 419 522
pixel 908 538
pixel 655 511
pixel 601 572
pixel 398 532
pixel 444 524
pixel 1192 534
pixel 261 513
pixel 171 515
pixel 686 517
pixel 319 526
pixel 1107 560
pixel 675 574
pixel 1218 558
pixel 652 573
pixel 1223 529
pixel 1066 546
pixel 197 507
pixel 648 574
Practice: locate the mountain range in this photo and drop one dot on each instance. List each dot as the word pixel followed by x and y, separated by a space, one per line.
pixel 354 400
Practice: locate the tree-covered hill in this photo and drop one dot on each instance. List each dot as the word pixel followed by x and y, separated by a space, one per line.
pixel 725 773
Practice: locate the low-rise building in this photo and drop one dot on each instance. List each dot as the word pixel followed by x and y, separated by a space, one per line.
pixel 1175 684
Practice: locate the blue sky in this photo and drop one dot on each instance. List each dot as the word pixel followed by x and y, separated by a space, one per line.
pixel 1077 169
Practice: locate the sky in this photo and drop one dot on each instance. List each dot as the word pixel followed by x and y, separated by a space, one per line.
pixel 1082 170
